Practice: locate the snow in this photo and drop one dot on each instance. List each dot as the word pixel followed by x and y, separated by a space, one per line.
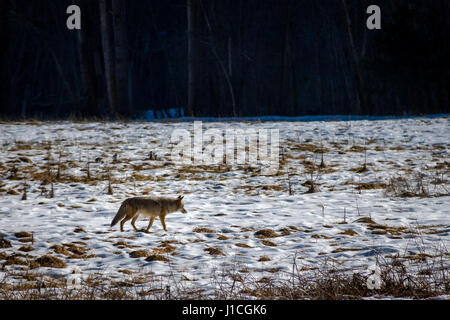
pixel 233 203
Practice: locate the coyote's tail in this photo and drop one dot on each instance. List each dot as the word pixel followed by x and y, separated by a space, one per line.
pixel 121 213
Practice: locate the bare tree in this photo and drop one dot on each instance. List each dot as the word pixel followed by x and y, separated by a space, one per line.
pixel 191 8
pixel 364 98
pixel 287 92
pixel 4 80
pixel 86 64
pixel 121 55
pixel 221 64
pixel 108 58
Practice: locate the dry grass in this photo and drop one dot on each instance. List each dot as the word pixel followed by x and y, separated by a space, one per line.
pixel 26 248
pixel 157 257
pixel 139 254
pixel 256 189
pixel 345 249
pixel 164 248
pixel 416 185
pixel 266 233
pixel 268 243
pixel 242 245
pixel 22 234
pixel 320 236
pixel 329 282
pixel 4 243
pixel 264 259
pixel 368 185
pixel 50 262
pixel 349 232
pixel 203 230
pixel 326 281
pixel 214 251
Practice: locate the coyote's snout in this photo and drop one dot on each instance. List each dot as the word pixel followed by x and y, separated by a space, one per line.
pixel 147 206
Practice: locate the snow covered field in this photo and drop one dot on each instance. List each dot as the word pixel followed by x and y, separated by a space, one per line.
pixel 382 191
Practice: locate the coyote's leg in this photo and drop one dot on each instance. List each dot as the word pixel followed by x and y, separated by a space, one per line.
pixel 134 221
pixel 150 224
pixel 123 222
pixel 163 221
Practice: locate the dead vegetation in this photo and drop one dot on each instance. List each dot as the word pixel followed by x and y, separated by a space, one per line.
pixel 214 251
pixel 50 262
pixel 264 259
pixel 349 232
pixel 419 274
pixel 266 233
pixel 139 254
pixel 52 164
pixel 203 230
pixel 416 185
pixel 381 229
pixel 156 257
pixel 269 243
pixel 4 243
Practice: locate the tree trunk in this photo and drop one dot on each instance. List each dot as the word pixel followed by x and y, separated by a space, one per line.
pixel 121 56
pixel 364 106
pixel 191 7
pixel 318 63
pixel 108 59
pixel 4 40
pixel 100 87
pixel 230 58
pixel 286 93
pixel 220 64
pixel 87 66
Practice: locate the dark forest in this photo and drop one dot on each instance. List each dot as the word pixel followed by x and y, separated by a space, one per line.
pixel 217 58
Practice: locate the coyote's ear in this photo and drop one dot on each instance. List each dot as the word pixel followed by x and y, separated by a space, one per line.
pixel 180 197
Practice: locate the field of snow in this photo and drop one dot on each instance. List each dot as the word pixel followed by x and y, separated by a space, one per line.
pixel 237 218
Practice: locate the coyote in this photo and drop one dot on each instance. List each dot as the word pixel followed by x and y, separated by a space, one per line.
pixel 148 206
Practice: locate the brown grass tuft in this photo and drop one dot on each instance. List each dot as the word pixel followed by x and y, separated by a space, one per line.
pixel 242 245
pixel 156 257
pixel 204 230
pixel 50 262
pixel 26 248
pixel 349 232
pixel 264 258
pixel 4 243
pixel 15 259
pixel 345 249
pixel 266 233
pixel 79 230
pixel 139 254
pixel 165 247
pixel 320 236
pixel 365 220
pixel 22 234
pixel 268 243
pixel 60 249
pixel 214 251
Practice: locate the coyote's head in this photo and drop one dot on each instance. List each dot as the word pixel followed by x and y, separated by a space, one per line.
pixel 180 204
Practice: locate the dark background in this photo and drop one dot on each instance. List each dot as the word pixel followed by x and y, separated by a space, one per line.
pixel 223 58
